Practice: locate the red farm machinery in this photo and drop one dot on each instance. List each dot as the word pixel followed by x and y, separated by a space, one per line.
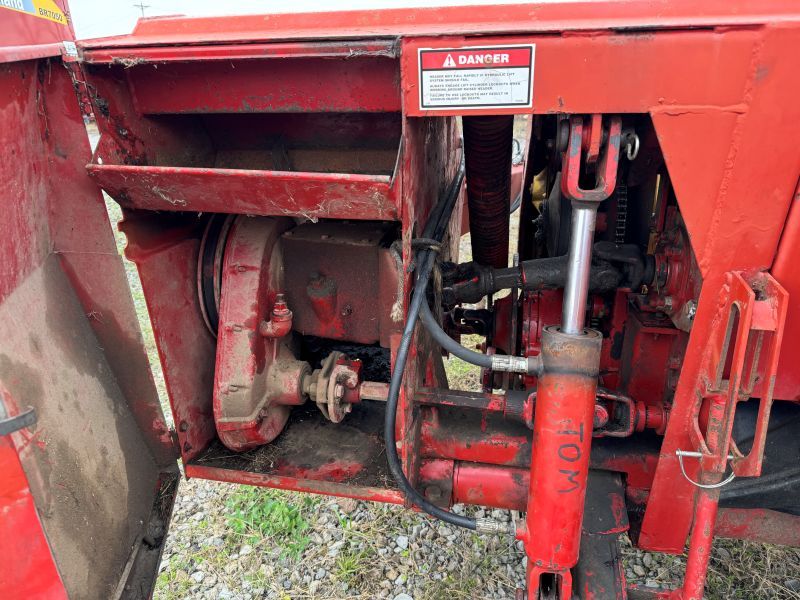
pixel 294 188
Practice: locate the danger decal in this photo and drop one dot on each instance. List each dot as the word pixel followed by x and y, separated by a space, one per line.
pixel 44 9
pixel 476 77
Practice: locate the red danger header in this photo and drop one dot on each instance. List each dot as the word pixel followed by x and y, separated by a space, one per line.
pixel 476 58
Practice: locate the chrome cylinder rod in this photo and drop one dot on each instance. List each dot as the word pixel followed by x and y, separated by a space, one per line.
pixel 579 263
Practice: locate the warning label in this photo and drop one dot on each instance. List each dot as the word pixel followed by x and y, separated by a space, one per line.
pixel 476 77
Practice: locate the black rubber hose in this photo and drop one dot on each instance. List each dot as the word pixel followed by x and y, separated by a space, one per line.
pixel 449 344
pixel 437 225
pixel 534 274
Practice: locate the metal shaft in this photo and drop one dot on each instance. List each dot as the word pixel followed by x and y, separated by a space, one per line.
pixel 579 263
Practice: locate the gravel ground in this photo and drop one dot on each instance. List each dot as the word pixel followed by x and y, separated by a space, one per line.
pixel 240 543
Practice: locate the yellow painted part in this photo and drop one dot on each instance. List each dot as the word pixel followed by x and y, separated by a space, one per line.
pixel 42 9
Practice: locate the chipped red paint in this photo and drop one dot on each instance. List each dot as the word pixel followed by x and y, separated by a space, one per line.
pixel 337 96
pixel 297 484
pixel 501 487
pixel 438 440
pixel 766 526
pixel 315 195
pixel 727 376
pixel 248 412
pixel 100 438
pixel 164 54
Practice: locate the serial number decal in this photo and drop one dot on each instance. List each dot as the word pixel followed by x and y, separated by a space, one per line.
pixel 44 9
pixel 475 77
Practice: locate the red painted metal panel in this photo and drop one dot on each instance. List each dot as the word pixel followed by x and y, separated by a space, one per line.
pixel 785 270
pixel 766 526
pixel 268 193
pixel 165 253
pixel 162 54
pixel 612 73
pixel 491 486
pixel 30 571
pixel 297 484
pixel 26 36
pixel 728 231
pixel 368 83
pixel 720 91
pixel 71 348
pixel 486 20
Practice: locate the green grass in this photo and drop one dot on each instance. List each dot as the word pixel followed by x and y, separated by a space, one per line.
pixel 463 375
pixel 352 565
pixel 259 514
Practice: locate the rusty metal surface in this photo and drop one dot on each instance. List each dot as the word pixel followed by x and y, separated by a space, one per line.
pixel 247 407
pixel 313 449
pixel 71 345
pixel 91 472
pixel 269 193
pixel 333 280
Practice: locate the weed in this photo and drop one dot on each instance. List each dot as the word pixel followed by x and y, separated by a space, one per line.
pixel 257 513
pixel 173 583
pixel 463 375
pixel 351 565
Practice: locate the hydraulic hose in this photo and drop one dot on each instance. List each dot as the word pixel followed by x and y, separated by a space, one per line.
pixel 535 274
pixel 496 362
pixel 434 231
pixel 449 344
pixel 437 224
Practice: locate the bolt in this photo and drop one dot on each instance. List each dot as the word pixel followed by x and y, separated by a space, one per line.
pixel 338 391
pixel 433 492
pixel 183 426
pixel 347 310
pixel 600 416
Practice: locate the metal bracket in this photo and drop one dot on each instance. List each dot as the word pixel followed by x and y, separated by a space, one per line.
pixel 605 165
pixel 742 364
pixel 24 419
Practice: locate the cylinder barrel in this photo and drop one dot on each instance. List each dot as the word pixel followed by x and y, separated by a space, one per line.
pixel 562 435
